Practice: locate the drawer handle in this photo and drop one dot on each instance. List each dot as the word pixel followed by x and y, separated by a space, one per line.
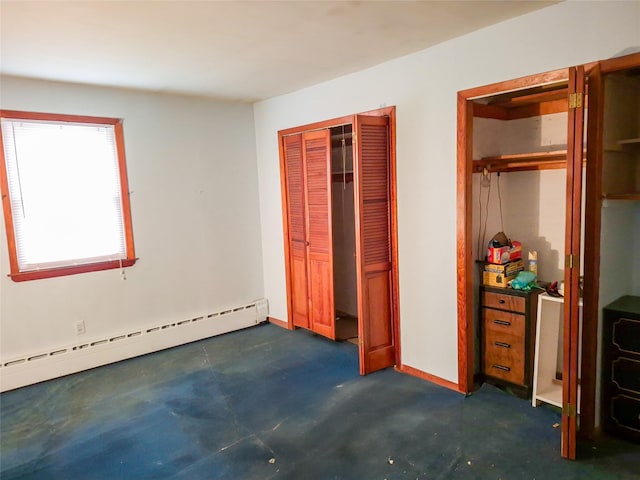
pixel 502 322
pixel 502 344
pixel 502 300
pixel 501 367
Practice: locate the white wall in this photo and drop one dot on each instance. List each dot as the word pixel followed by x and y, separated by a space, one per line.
pixel 194 199
pixel 536 217
pixel 533 202
pixel 423 86
pixel 617 259
pixel 344 234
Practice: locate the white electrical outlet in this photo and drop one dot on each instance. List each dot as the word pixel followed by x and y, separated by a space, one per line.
pixel 80 328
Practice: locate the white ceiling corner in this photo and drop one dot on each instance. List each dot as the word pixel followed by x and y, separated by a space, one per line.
pixel 235 50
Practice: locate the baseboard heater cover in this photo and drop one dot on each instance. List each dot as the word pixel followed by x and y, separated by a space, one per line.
pixel 57 362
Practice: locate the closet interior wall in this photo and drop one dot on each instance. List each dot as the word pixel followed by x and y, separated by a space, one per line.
pixel 620 229
pixel 343 219
pixel 532 202
pixel 529 205
pixel 615 227
pixel 343 223
pixel 620 215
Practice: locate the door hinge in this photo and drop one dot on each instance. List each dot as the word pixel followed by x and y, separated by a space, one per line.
pixel 575 100
pixel 570 261
pixel 569 410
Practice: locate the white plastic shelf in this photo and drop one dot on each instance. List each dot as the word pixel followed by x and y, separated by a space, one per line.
pixel 547 347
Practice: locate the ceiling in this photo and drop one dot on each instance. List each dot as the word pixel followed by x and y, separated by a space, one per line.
pixel 235 50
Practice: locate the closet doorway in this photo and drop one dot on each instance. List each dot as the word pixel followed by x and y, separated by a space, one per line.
pixel 530 131
pixel 343 215
pixel 339 218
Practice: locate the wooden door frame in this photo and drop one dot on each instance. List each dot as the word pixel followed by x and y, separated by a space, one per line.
pixel 593 219
pixel 592 226
pixel 327 124
pixel 464 179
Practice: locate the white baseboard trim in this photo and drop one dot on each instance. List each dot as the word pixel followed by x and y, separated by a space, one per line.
pixel 37 367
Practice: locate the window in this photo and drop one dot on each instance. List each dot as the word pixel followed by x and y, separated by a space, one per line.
pixel 64 194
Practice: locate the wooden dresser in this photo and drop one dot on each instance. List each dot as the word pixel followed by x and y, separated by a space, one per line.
pixel 621 367
pixel 508 324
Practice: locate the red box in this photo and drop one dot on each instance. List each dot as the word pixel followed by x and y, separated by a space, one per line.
pixel 505 254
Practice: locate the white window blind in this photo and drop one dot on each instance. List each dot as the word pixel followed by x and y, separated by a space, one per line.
pixel 64 189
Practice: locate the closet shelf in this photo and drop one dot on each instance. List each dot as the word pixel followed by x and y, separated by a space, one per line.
pixel 624 145
pixel 622 196
pixel 522 161
pixel 630 141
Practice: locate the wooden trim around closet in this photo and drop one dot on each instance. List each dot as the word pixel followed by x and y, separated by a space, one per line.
pixel 414 372
pixel 393 205
pixel 619 63
pixel 555 76
pixel 336 122
pixel 593 220
pixel 464 250
pixel 279 323
pixel 593 226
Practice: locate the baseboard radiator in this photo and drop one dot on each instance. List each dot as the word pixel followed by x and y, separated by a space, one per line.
pixel 39 366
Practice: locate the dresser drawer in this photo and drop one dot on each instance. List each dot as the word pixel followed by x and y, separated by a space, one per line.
pixel 626 335
pixel 625 374
pixel 503 301
pixel 621 367
pixel 625 415
pixel 513 344
pixel 503 322
pixel 504 358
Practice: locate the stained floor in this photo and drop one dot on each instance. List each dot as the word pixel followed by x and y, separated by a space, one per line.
pixel 267 403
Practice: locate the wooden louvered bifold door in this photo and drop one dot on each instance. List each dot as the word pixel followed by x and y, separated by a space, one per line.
pixel 317 161
pixel 297 215
pixel 373 243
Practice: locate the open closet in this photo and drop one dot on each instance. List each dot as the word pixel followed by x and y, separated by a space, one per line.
pixel 554 160
pixel 520 172
pixel 520 185
pixel 345 292
pixel 338 192
pixel 612 256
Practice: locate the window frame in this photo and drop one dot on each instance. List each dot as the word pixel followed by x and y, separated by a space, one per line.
pixel 19 276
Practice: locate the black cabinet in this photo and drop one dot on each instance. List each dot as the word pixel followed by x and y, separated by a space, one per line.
pixel 621 368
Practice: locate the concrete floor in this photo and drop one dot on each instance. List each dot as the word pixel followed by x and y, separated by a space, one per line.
pixel 267 403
